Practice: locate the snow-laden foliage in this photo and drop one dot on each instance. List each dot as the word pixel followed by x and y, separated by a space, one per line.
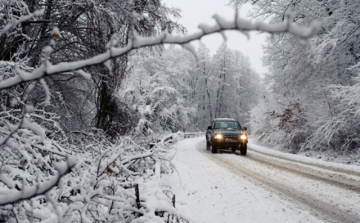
pixel 170 91
pixel 110 182
pixel 315 75
pixel 151 92
pixel 341 132
pixel 82 29
pixel 262 125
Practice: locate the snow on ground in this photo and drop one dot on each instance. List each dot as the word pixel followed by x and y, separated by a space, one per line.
pixel 344 157
pixel 341 167
pixel 206 192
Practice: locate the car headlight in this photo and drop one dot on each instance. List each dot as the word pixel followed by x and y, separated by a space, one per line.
pixel 243 137
pixel 218 136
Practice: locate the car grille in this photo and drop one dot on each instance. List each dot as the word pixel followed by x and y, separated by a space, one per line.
pixel 231 139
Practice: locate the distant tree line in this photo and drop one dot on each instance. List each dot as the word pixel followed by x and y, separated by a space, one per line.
pixel 174 90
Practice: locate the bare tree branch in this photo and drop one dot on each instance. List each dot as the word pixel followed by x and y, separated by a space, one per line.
pixel 221 25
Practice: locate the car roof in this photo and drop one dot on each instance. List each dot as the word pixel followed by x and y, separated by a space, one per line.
pixel 224 119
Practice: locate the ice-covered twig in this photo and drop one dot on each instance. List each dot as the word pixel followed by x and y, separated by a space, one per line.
pixel 239 24
pixel 30 192
pixel 138 156
pixel 12 130
pixel 20 20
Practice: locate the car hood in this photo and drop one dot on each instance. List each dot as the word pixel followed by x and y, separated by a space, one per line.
pixel 228 132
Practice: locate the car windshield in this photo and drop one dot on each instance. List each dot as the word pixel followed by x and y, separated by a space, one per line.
pixel 231 125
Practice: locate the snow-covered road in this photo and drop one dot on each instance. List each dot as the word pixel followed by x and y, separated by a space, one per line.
pixel 264 186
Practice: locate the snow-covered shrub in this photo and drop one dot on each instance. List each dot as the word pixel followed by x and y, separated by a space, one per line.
pixel 277 125
pixel 115 180
pixel 292 121
pixel 33 159
pixel 342 131
pixel 110 182
pixel 110 185
pixel 262 126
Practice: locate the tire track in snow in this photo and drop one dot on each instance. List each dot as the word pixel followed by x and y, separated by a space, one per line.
pixel 335 178
pixel 334 173
pixel 331 199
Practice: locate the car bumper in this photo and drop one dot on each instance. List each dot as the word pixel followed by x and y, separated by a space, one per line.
pixel 224 144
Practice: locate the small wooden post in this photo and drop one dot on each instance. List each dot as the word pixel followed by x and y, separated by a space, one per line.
pixel 137 196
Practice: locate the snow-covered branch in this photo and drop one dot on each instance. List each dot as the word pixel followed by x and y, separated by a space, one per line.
pixel 14 23
pixel 40 188
pixel 239 24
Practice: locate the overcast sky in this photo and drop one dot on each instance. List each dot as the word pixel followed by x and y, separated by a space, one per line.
pixel 195 12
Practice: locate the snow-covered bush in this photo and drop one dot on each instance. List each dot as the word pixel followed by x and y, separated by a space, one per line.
pixel 264 127
pixel 279 126
pixel 341 132
pixel 33 159
pixel 292 122
pixel 110 182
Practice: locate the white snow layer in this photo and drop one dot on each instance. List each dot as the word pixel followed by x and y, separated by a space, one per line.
pixel 207 192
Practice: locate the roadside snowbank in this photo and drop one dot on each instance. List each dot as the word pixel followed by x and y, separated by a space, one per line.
pixel 346 158
pixel 340 167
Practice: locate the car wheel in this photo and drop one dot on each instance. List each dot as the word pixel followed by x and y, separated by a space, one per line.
pixel 243 149
pixel 233 150
pixel 207 145
pixel 213 149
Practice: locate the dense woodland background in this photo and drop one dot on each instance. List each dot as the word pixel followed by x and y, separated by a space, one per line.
pixel 313 89
pixel 107 113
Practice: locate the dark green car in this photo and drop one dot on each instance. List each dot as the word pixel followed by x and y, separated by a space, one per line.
pixel 226 133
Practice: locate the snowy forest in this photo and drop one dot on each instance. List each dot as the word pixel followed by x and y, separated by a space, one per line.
pixel 312 98
pixel 87 85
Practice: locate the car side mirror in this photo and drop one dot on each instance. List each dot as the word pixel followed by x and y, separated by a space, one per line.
pixel 209 127
pixel 244 128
